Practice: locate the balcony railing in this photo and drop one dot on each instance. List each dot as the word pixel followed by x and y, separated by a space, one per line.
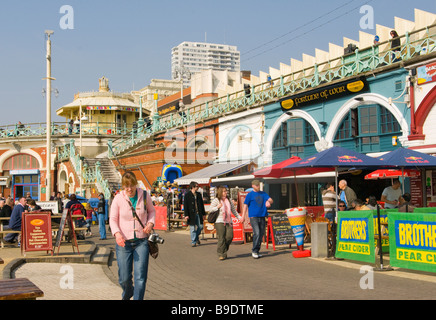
pixel 63 129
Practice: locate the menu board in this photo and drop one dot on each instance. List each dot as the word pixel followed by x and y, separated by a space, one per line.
pixel 416 191
pixel 61 229
pixel 281 230
pixel 37 232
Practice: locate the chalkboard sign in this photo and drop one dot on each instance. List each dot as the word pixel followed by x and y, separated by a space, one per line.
pixel 279 230
pixel 66 218
pixel 61 229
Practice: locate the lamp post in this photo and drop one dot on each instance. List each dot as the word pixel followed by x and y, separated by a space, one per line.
pixel 81 118
pixel 179 72
pixel 140 120
pixel 48 79
pixel 155 113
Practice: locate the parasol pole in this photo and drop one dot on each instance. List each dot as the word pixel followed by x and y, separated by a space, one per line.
pixel 402 178
pixel 380 249
pixel 296 188
pixel 336 190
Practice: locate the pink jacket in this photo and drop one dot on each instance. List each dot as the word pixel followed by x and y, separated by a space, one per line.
pixel 121 217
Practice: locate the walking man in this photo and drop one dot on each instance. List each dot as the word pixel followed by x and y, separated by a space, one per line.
pixel 257 203
pixel 194 212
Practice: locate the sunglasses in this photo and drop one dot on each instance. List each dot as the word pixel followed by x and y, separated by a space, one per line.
pixel 341 206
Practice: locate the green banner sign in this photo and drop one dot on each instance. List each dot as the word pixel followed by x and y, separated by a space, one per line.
pixel 355 236
pixel 412 239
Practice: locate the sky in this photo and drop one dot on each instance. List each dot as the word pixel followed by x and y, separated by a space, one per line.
pixel 129 42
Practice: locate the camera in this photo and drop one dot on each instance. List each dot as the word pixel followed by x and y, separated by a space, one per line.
pixel 154 237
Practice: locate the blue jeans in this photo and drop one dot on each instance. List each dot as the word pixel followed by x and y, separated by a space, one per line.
pixel 258 225
pixel 331 215
pixel 133 257
pixel 196 229
pixel 102 226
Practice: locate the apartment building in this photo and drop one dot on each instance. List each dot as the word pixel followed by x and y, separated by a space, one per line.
pixel 192 57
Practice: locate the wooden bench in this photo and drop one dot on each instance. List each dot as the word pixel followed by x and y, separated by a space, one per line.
pixel 19 289
pixel 3 233
pixel 176 220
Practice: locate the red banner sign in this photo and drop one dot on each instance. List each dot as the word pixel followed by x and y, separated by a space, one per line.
pixel 160 218
pixel 238 230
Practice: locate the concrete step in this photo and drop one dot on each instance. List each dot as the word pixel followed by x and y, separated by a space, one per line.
pixel 100 255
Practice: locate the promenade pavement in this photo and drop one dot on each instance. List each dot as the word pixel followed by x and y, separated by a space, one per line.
pixel 182 272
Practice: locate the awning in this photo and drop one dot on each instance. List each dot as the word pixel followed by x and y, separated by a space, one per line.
pixel 204 175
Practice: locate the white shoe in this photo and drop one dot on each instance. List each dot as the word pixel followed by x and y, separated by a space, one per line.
pixel 255 255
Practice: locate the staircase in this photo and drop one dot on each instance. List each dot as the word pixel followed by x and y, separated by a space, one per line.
pixel 108 171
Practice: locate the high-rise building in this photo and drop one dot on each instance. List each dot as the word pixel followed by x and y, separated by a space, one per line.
pixel 192 57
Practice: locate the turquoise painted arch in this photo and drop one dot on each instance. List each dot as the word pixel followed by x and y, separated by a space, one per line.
pixel 234 132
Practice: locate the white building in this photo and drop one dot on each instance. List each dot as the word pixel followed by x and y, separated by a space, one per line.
pixel 191 57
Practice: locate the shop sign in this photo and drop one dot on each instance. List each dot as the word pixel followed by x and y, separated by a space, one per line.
pixel 426 74
pixel 412 239
pixel 112 108
pixel 326 93
pixel 355 236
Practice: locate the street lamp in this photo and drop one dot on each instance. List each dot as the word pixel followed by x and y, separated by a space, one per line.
pixel 140 120
pixel 82 117
pixel 48 79
pixel 180 72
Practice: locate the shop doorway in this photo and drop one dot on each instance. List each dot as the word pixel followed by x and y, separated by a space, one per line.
pixel 24 184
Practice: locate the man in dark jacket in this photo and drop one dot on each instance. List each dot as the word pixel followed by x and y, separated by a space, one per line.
pixel 15 221
pixel 193 212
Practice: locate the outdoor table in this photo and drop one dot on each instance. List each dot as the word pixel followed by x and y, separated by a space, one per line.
pixel 19 289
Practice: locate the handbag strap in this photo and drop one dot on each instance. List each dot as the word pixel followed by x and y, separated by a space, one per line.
pixel 136 216
pixel 134 211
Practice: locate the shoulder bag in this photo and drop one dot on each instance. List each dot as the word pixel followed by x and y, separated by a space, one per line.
pixel 212 216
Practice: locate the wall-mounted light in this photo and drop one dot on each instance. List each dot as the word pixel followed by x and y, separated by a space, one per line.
pixel 360 99
pixel 323 123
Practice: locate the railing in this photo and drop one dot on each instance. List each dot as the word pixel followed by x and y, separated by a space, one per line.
pixel 62 128
pixel 127 140
pixel 89 175
pixel 419 42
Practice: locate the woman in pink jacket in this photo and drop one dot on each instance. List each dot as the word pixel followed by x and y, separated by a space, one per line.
pixel 131 239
